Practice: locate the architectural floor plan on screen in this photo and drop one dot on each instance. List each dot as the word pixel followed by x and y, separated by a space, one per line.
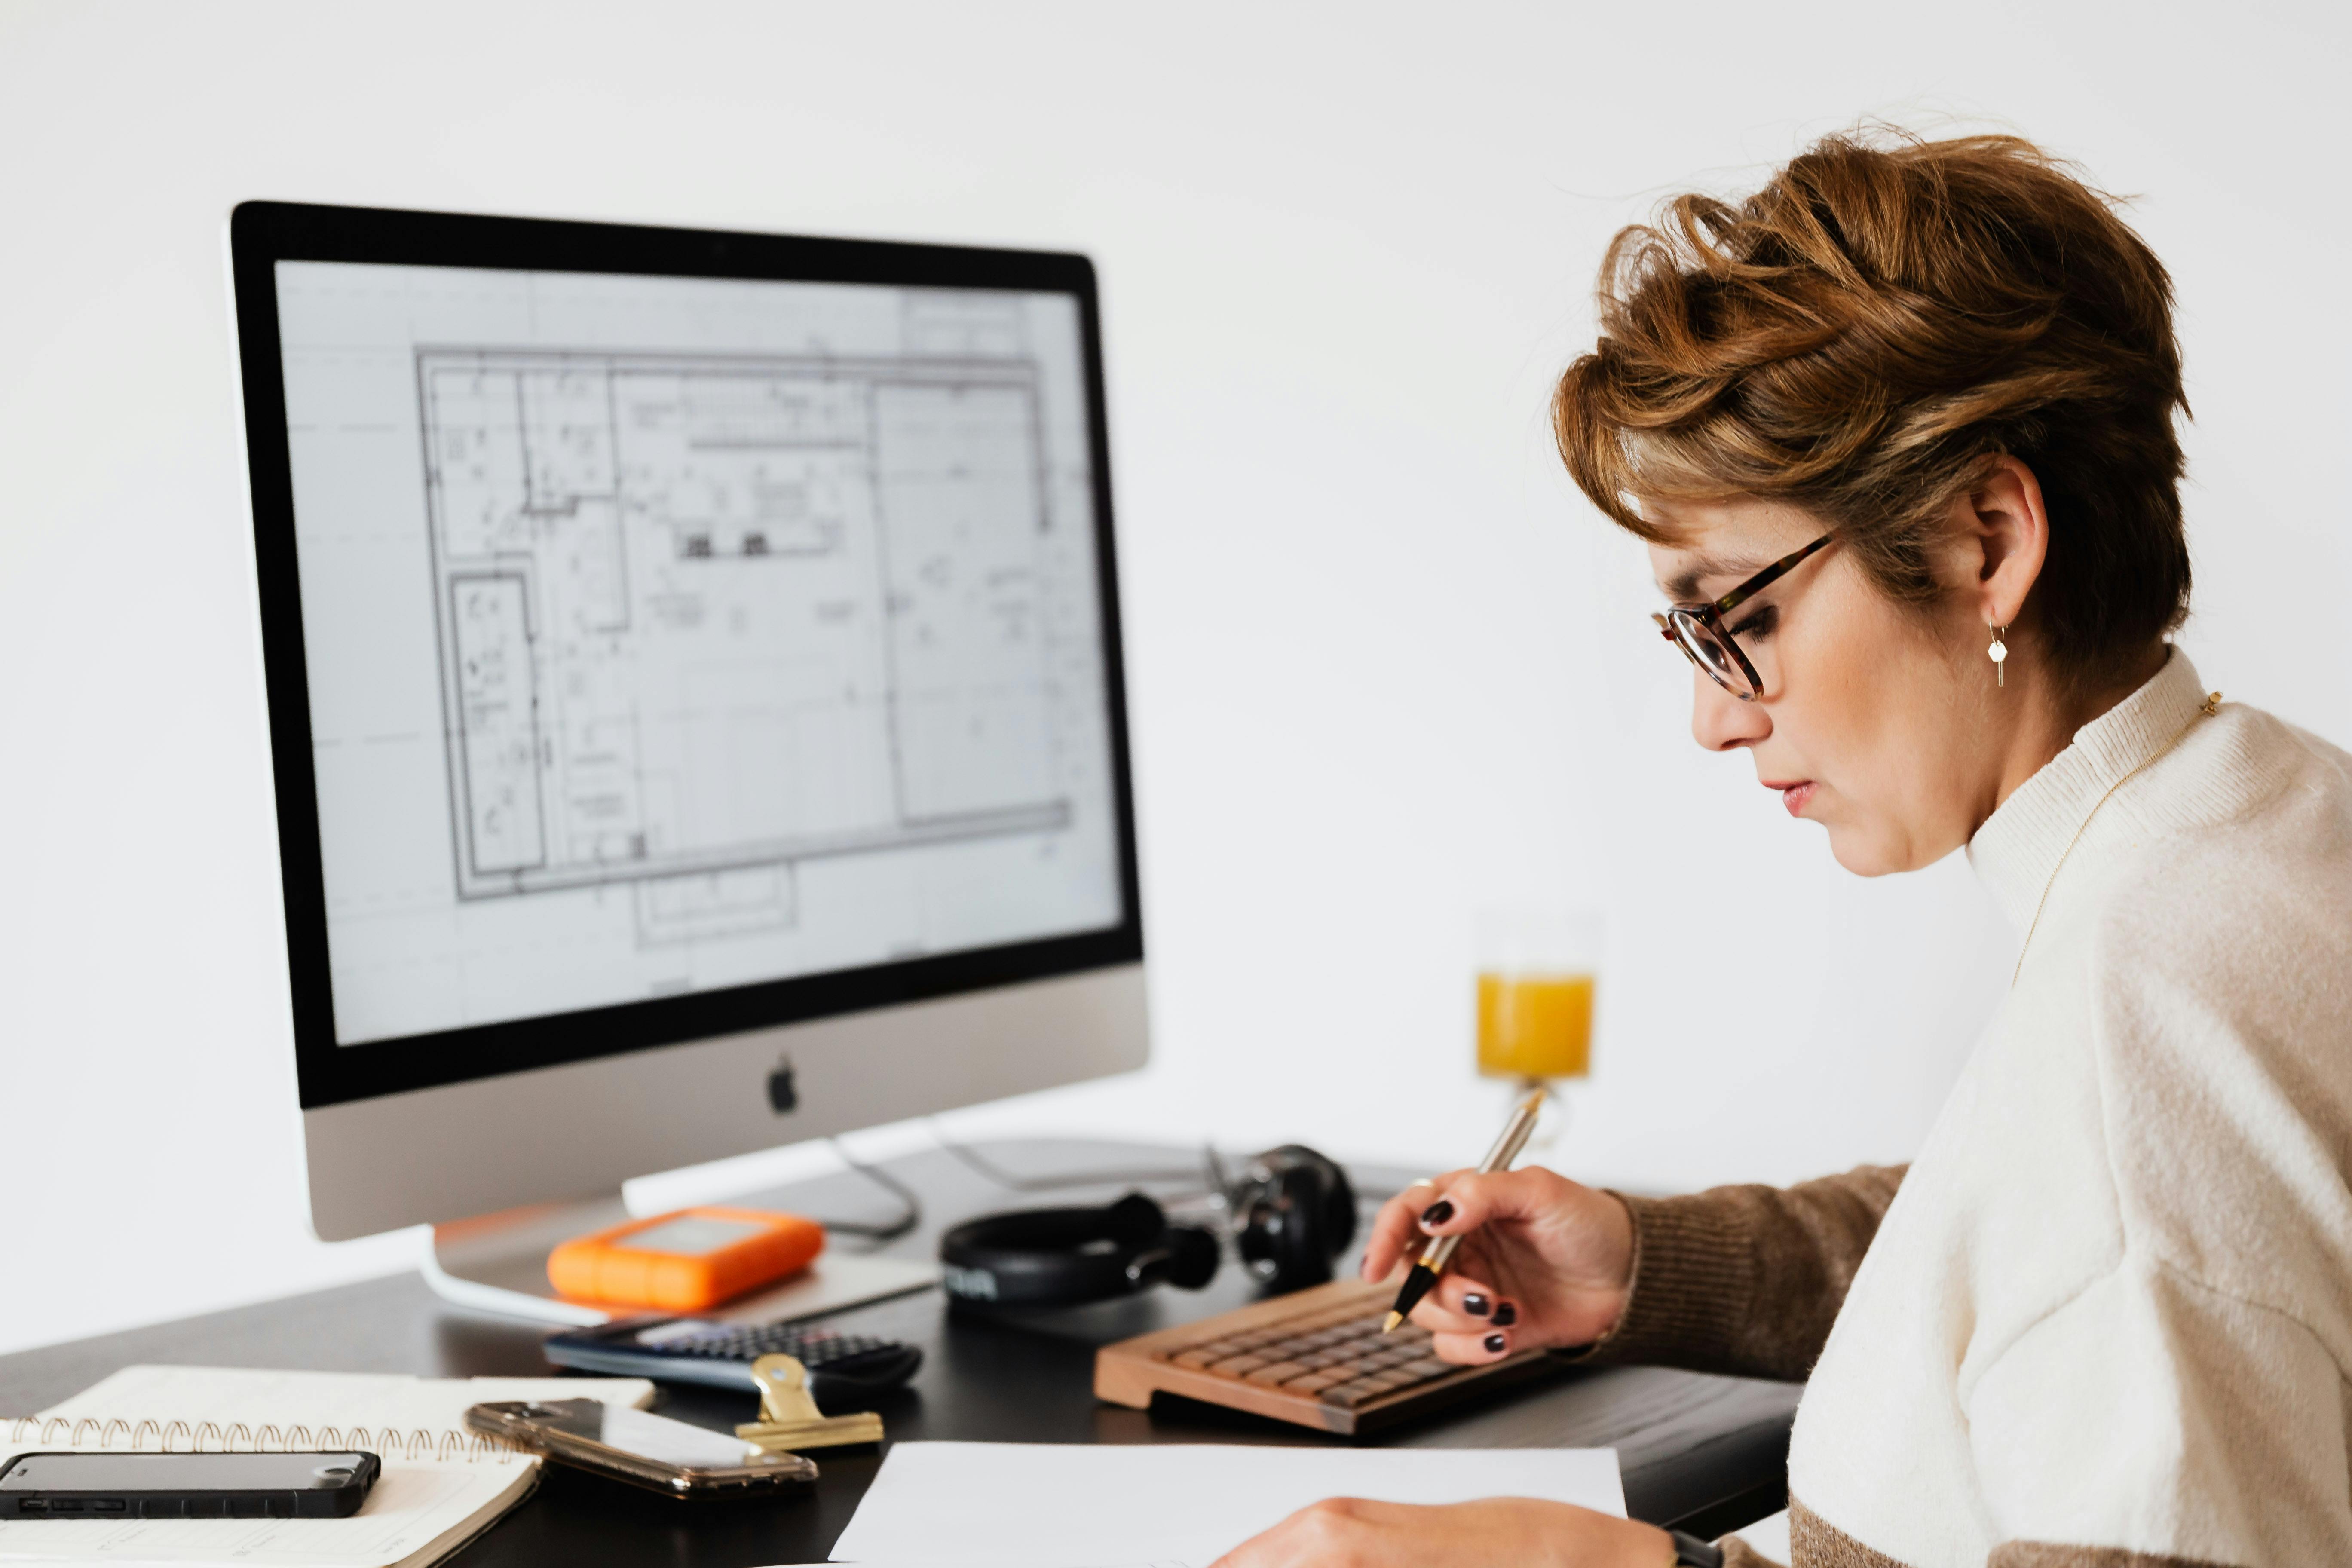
pixel 704 617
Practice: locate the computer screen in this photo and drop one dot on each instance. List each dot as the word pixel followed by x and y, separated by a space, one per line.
pixel 668 637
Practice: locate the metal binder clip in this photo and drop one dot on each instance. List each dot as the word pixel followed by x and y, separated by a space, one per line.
pixel 789 1419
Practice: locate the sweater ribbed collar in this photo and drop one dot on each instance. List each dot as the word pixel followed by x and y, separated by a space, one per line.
pixel 2021 844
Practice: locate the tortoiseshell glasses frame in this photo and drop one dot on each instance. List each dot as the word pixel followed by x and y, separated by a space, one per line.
pixel 1699 629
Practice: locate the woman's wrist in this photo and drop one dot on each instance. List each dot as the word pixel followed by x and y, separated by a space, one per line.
pixel 1628 1237
pixel 1600 1307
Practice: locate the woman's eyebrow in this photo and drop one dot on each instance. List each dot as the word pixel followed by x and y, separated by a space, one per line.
pixel 1683 586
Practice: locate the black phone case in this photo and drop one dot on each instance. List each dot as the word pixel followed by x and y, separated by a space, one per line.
pixel 339 1501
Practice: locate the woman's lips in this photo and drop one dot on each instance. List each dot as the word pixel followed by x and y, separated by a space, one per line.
pixel 1794 795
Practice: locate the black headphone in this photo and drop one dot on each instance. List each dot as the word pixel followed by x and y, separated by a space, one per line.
pixel 1293 1212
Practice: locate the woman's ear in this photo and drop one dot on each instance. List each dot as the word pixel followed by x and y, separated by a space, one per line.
pixel 2008 538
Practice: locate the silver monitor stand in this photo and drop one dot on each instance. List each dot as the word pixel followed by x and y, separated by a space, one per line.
pixel 586 1127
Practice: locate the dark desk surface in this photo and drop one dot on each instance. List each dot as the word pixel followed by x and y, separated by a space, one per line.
pixel 1705 1453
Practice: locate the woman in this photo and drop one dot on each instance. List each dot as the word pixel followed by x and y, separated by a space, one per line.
pixel 1898 432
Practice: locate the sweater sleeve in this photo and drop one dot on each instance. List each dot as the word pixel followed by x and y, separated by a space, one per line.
pixel 2076 1434
pixel 2166 1422
pixel 1745 1279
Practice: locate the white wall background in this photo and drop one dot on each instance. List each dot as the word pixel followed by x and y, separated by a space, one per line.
pixel 1387 670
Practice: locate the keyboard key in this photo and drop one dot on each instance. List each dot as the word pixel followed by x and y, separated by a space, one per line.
pixel 1346 1395
pixel 1315 1382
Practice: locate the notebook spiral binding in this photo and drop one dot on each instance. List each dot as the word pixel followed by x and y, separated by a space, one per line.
pixel 206 1438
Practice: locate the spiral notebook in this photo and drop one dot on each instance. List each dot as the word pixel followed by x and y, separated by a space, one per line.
pixel 442 1485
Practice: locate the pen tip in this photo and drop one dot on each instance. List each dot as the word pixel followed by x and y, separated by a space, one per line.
pixel 1394 1318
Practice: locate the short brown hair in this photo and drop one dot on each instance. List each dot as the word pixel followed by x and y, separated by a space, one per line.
pixel 1866 334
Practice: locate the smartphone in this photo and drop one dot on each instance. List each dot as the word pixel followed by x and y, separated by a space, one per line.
pixel 186 1486
pixel 647 1450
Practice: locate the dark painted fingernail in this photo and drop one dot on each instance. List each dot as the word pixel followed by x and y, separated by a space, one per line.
pixel 1438 1213
pixel 1495 1342
pixel 1478 1306
pixel 1505 1314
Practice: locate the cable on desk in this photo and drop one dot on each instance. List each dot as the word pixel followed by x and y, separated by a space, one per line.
pixel 1094 1178
pixel 910 1206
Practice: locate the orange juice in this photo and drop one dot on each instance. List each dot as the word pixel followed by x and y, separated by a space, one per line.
pixel 1534 1025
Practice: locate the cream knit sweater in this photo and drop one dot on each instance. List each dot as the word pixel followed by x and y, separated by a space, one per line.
pixel 2107 1317
pixel 2112 1303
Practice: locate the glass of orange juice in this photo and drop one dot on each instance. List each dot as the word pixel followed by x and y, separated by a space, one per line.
pixel 1535 975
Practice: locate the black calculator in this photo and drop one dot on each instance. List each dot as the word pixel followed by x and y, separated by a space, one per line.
pixel 841 1367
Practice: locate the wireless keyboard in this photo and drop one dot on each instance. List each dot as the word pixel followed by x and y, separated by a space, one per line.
pixel 1317 1358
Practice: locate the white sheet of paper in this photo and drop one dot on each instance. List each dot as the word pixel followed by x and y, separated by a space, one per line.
pixel 1177 1504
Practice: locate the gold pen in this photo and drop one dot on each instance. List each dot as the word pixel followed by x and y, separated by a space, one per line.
pixel 1440 1250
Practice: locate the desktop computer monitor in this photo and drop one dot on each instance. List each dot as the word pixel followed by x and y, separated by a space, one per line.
pixel 693 691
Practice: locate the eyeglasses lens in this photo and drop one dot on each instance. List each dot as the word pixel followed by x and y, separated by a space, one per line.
pixel 1707 651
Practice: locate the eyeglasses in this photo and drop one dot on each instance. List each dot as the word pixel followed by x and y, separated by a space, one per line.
pixel 1699 629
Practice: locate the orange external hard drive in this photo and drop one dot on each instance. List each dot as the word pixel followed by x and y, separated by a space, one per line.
pixel 686 1261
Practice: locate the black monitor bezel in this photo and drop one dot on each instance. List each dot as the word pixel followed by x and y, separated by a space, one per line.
pixel 262 234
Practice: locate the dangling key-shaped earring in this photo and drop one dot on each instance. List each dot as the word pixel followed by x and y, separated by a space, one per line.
pixel 1998 654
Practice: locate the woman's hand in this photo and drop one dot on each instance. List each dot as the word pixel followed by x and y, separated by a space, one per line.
pixel 1350 1532
pixel 1543 1262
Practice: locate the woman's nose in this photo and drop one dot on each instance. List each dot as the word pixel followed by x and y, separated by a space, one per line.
pixel 1720 720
